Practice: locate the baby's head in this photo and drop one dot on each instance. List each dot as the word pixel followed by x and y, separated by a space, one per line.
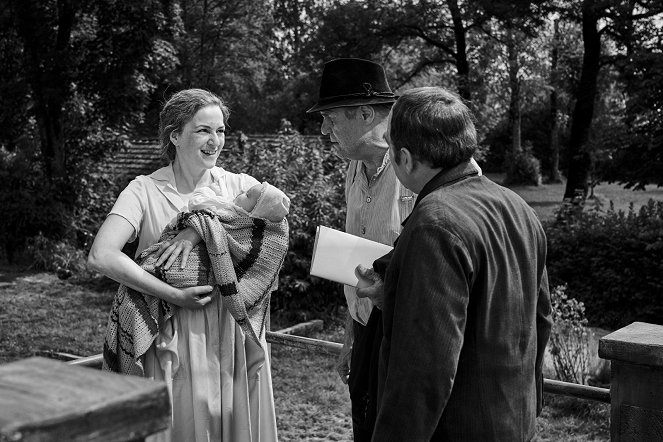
pixel 264 201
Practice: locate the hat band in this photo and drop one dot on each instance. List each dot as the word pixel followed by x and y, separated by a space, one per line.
pixel 368 94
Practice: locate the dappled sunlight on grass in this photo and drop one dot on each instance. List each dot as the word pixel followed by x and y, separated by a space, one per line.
pixel 547 198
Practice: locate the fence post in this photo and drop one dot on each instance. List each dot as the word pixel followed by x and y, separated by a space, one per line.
pixel 636 386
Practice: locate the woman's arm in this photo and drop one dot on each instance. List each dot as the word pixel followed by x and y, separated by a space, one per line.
pixel 106 257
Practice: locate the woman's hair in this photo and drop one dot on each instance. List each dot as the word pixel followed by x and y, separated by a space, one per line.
pixel 434 125
pixel 181 108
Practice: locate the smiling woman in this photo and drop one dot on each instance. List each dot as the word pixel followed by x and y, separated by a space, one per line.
pixel 200 141
pixel 219 380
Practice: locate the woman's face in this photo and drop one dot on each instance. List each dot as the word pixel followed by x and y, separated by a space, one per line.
pixel 200 141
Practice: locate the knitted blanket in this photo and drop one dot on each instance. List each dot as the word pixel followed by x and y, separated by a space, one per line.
pixel 239 256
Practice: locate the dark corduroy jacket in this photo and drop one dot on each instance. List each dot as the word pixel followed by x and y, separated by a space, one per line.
pixel 466 315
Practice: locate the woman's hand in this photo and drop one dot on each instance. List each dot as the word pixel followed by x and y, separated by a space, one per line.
pixel 182 244
pixel 193 297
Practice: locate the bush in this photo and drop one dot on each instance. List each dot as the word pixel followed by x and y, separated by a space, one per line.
pixel 612 262
pixel 569 338
pixel 522 168
pixel 30 204
pixel 56 256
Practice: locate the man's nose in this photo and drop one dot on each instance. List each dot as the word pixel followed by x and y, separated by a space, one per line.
pixel 324 127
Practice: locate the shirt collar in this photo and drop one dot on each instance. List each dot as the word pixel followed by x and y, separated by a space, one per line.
pixel 385 163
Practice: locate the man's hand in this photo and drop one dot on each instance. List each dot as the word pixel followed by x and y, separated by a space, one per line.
pixel 370 285
pixel 182 244
pixel 343 362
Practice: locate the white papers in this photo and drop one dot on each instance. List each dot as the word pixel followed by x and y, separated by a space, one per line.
pixel 336 255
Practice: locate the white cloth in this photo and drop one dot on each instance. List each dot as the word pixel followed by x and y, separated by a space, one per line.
pixel 219 381
pixel 272 204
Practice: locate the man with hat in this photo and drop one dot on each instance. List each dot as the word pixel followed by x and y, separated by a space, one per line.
pixel 355 100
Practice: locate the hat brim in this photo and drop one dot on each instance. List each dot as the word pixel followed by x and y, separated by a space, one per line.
pixel 331 104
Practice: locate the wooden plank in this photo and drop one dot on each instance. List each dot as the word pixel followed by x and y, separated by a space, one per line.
pixel 94 361
pixel 576 390
pixel 303 328
pixel 331 348
pixel 637 343
pixel 47 400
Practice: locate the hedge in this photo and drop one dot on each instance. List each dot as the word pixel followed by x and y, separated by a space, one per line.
pixel 613 262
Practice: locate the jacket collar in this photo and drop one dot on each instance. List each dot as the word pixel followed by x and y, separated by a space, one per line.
pixel 446 178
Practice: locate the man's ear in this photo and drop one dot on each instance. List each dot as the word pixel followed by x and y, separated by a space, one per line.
pixel 407 160
pixel 367 113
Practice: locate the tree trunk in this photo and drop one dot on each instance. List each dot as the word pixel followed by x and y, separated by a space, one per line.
pixel 553 175
pixel 462 65
pixel 514 102
pixel 577 184
pixel 46 58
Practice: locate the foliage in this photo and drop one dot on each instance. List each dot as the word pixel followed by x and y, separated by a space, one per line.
pixel 569 338
pixel 636 144
pixel 56 256
pixel 30 204
pixel 612 262
pixel 66 211
pixel 313 177
pixel 523 167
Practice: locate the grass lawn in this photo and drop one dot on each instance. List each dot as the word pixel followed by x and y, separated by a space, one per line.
pixel 39 312
pixel 546 198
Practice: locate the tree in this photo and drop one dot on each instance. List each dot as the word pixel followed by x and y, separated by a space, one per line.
pixel 616 20
pixel 445 26
pixel 552 173
pixel 102 54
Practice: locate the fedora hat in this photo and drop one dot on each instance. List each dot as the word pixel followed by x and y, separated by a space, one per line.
pixel 352 82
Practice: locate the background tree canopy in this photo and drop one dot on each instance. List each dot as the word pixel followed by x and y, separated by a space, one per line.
pixel 556 85
pixel 562 90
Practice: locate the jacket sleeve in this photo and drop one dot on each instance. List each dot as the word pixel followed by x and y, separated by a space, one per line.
pixel 430 300
pixel 543 327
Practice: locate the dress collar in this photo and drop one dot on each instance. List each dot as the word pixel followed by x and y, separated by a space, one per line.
pixel 164 179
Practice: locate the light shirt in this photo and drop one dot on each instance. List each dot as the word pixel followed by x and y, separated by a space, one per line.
pixel 375 210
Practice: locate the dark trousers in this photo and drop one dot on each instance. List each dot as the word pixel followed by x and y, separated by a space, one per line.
pixel 363 380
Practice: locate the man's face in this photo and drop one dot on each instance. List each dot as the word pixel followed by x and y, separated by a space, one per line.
pixel 344 130
pixel 398 168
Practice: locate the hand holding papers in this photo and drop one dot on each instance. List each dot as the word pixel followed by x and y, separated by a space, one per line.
pixel 336 255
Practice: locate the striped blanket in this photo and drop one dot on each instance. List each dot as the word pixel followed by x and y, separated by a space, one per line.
pixel 239 256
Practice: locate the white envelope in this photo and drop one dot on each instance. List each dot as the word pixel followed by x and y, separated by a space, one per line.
pixel 336 254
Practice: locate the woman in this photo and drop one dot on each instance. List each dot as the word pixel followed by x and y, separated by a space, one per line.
pixel 219 381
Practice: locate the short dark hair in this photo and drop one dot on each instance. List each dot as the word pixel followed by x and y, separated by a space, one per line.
pixel 434 125
pixel 181 108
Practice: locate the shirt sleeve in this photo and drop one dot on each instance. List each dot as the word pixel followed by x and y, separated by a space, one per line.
pixel 129 205
pixel 427 307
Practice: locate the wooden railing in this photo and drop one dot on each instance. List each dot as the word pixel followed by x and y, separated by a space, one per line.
pixel 288 337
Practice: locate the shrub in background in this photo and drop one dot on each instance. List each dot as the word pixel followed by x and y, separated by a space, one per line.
pixel 569 338
pixel 30 205
pixel 612 262
pixel 522 167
